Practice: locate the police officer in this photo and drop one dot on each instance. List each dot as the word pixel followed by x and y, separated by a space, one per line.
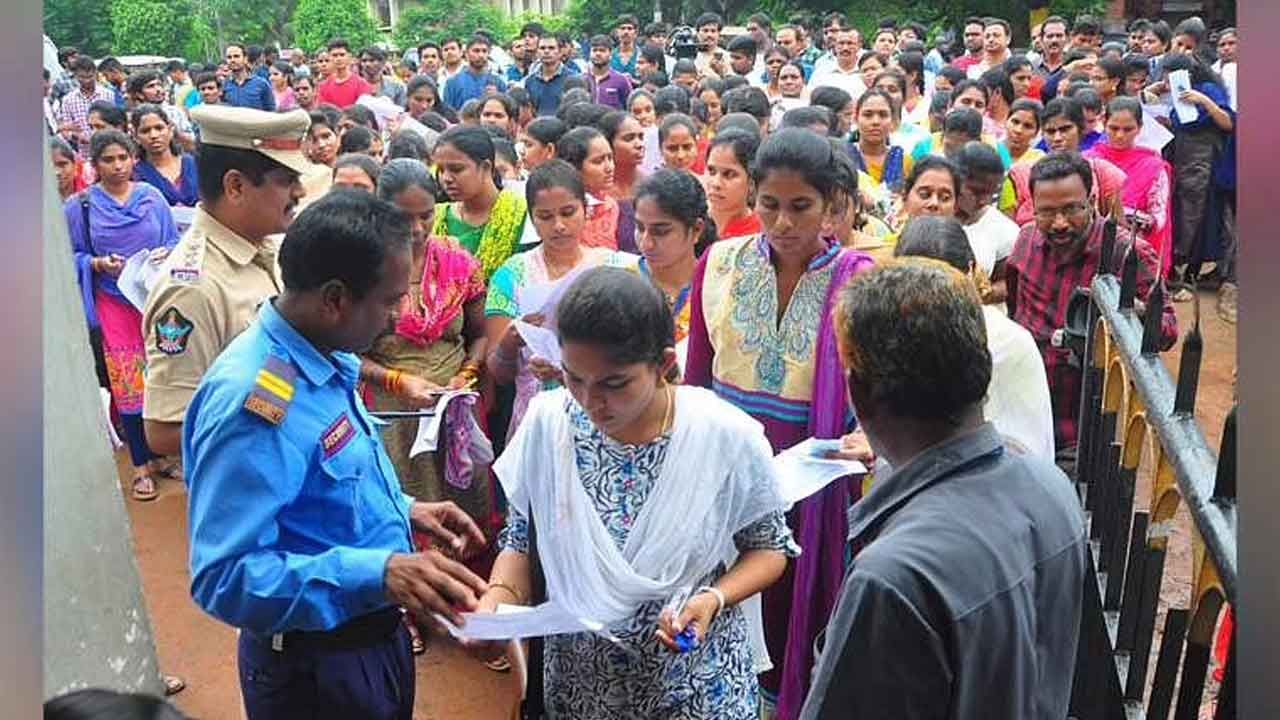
pixel 300 533
pixel 250 172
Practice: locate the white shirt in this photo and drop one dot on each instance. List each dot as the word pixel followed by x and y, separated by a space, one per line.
pixel 991 237
pixel 849 81
pixel 1017 401
pixel 1228 73
pixel 975 71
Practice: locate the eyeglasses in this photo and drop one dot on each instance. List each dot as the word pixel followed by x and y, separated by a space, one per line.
pixel 1070 212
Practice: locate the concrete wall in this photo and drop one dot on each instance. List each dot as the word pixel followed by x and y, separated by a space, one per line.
pixel 96 629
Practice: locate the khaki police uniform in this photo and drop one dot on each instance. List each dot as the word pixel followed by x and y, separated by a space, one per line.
pixel 213 281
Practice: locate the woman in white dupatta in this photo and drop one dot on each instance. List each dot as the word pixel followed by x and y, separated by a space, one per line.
pixel 637 488
pixel 1018 401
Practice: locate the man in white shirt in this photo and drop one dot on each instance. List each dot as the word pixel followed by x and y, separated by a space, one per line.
pixel 845 74
pixel 711 57
pixel 991 234
pixel 835 24
pixel 995 50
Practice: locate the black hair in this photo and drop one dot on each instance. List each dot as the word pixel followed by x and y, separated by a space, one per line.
pixel 657 78
pixel 1057 166
pixel 417 82
pixel 435 120
pixel 684 67
pixel 284 68
pixel 109 64
pixel 979 158
pixel 807 116
pixel 931 364
pixel 671 99
pixel 1135 63
pixel 898 77
pixel 374 52
pixel 1086 25
pixel 554 173
pixel 1017 62
pixel 751 100
pixel 58 146
pixel 400 174
pixel 521 98
pixel 940 102
pixel 509 105
pixel 103 704
pixel 358 139
pixel 919 29
pixel 627 19
pixel 576 144
pixel 912 63
pixel 407 144
pixel 940 238
pixel 823 166
pixel 680 195
pixel 253 52
pixel 780 52
pixel 1065 107
pixel 744 145
pixel 81 63
pixel 964 120
pixel 110 113
pixel 708 18
pixel 996 80
pixel 205 78
pixel 611 123
pixel 1138 25
pixel 895 110
pixel 969 84
pixel 929 163
pixel 1162 31
pixel 104 139
pixel 470 110
pixel 762 19
pixel 833 99
pixel 1077 54
pixel 744 44
pixel 476 144
pixel 584 114
pixel 146 109
pixel 359 160
pixel 1088 98
pixel 953 74
pixel 618 311
pixel 327 116
pixel 546 130
pixel 361 115
pixel 571 97
pixel 336 43
pixel 213 162
pixel 739 121
pixel 878 57
pixel 714 85
pixel 670 122
pixel 345 235
pixel 734 81
pixel 505 149
pixel 1030 105
pixel 653 55
pixel 1055 20
pixel 1199 72
pixel 575 81
pixel 1130 105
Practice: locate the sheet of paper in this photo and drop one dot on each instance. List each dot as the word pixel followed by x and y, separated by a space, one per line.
pixel 1180 82
pixel 541 342
pixel 543 297
pixel 1152 135
pixel 428 438
pixel 183 217
pixel 804 469
pixel 514 622
pixel 1158 110
pixel 138 277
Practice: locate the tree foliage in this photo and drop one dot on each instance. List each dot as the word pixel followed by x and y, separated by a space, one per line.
pixel 449 18
pixel 148 27
pixel 78 24
pixel 316 22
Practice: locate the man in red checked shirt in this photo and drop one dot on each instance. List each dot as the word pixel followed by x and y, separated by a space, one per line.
pixel 1053 256
pixel 342 88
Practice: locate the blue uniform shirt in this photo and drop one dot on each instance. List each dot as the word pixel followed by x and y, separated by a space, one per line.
pixel 467 85
pixel 254 92
pixel 292 520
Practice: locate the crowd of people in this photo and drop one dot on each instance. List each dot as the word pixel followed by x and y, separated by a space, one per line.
pixel 751 241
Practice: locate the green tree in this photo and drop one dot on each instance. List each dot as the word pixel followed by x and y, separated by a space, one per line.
pixel 316 22
pixel 148 27
pixel 78 24
pixel 449 18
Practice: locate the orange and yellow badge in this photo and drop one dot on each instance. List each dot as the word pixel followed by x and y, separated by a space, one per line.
pixel 273 390
pixel 336 436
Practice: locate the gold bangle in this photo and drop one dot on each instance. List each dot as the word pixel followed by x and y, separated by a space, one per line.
pixel 519 598
pixel 391 382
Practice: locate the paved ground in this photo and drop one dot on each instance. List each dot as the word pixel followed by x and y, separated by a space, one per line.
pixel 450 684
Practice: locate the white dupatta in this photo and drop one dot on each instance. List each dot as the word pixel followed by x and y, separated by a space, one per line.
pixel 717 478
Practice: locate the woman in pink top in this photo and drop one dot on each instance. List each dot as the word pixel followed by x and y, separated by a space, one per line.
pixel 589 152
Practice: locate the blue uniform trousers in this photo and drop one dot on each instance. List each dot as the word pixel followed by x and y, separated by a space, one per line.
pixel 375 682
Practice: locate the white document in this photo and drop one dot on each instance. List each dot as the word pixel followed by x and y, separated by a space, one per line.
pixel 541 342
pixel 804 468
pixel 138 277
pixel 428 438
pixel 514 622
pixel 382 107
pixel 1156 110
pixel 1180 82
pixel 543 297
pixel 183 216
pixel 1152 135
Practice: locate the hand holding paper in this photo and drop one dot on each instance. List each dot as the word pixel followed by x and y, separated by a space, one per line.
pixel 804 469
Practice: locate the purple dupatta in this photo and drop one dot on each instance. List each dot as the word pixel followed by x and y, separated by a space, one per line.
pixel 822 520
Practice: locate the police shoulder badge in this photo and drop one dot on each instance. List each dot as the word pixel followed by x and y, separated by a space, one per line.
pixel 273 390
pixel 173 332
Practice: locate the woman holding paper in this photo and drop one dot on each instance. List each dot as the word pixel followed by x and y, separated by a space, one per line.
pixel 110 222
pixel 162 164
pixel 485 219
pixel 558 210
pixel 610 471
pixel 761 336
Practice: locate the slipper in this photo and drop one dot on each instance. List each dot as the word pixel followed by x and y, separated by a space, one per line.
pixel 170 471
pixel 173 685
pixel 144 488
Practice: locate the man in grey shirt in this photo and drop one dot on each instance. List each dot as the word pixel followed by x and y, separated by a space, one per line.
pixel 963 598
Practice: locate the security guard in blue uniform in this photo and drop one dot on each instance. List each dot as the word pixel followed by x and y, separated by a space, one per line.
pixel 300 534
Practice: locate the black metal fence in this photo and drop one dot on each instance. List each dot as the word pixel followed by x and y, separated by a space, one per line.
pixel 1129 402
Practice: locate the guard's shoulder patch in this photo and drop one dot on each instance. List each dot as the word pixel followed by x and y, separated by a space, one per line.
pixel 185 267
pixel 173 331
pixel 273 390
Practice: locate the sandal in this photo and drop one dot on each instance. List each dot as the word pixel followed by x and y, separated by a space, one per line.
pixel 144 488
pixel 173 685
pixel 167 470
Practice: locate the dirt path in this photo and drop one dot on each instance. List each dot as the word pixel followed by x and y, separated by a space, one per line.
pixel 451 685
